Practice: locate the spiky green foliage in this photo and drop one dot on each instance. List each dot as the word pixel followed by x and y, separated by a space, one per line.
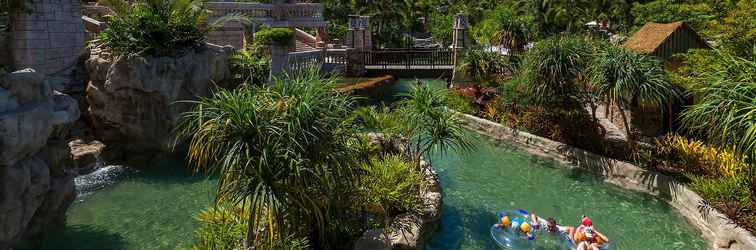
pixel 725 111
pixel 390 184
pixel 158 27
pixel 423 118
pixel 428 123
pixel 619 76
pixel 281 150
pixel 223 227
pixel 555 67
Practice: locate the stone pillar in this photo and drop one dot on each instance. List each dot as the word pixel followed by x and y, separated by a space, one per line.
pixel 460 34
pixel 459 42
pixel 355 62
pixel 358 35
pixel 279 59
pixel 49 37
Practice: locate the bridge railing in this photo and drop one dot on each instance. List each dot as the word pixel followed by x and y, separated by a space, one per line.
pixel 268 11
pixel 302 61
pixel 336 56
pixel 408 58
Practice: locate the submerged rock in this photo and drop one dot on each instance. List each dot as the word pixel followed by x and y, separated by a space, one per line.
pixel 36 184
pixel 135 102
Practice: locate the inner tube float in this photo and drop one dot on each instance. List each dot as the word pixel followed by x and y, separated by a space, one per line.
pixel 507 238
pixel 509 232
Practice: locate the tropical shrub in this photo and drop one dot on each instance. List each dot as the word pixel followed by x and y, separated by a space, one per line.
pixel 439 25
pixel 390 185
pixel 250 66
pixel 158 28
pixel 221 227
pixel 460 103
pixel 697 158
pixel 281 150
pixel 729 195
pixel 485 66
pixel 725 113
pixel 275 36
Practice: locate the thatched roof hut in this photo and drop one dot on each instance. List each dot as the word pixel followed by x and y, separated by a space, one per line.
pixel 665 39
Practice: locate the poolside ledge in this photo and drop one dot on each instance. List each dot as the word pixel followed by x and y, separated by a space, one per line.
pixel 717 229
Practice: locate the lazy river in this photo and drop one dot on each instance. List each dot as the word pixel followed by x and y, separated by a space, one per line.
pixel 154 208
pixel 498 176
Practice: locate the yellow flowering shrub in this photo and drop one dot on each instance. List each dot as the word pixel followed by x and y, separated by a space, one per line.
pixel 695 157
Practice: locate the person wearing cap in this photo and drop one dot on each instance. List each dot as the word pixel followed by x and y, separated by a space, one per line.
pixel 586 237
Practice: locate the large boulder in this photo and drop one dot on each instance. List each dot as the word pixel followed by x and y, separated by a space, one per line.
pixel 135 102
pixel 36 184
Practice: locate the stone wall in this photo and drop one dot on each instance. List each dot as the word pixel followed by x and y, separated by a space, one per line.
pixel 36 179
pixel 50 37
pixel 715 227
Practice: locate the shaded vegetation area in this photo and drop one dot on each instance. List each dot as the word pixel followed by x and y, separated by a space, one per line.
pixel 296 169
pixel 555 87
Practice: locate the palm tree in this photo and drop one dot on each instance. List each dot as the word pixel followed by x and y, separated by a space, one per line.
pixel 555 67
pixel 280 151
pixel 726 111
pixel 619 76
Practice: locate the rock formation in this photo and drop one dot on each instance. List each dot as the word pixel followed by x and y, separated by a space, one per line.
pixel 36 181
pixel 135 102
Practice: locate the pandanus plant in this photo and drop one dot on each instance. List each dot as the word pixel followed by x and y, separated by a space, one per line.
pixel 619 77
pixel 281 151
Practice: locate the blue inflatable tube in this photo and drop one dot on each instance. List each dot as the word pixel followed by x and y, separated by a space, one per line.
pixel 507 238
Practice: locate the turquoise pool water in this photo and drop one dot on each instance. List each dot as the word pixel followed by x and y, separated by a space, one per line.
pixel 497 176
pixel 152 208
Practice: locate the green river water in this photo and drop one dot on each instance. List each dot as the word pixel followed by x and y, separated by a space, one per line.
pixel 154 208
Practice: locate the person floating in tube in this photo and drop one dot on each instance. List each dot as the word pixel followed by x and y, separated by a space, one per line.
pixel 587 237
pixel 550 226
pixel 518 225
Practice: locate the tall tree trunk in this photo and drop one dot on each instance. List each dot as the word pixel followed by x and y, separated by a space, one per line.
pixel 250 231
pixel 627 124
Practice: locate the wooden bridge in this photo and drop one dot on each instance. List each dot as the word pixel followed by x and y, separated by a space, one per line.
pixel 398 62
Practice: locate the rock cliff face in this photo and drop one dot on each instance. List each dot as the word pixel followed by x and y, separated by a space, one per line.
pixel 134 103
pixel 36 181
